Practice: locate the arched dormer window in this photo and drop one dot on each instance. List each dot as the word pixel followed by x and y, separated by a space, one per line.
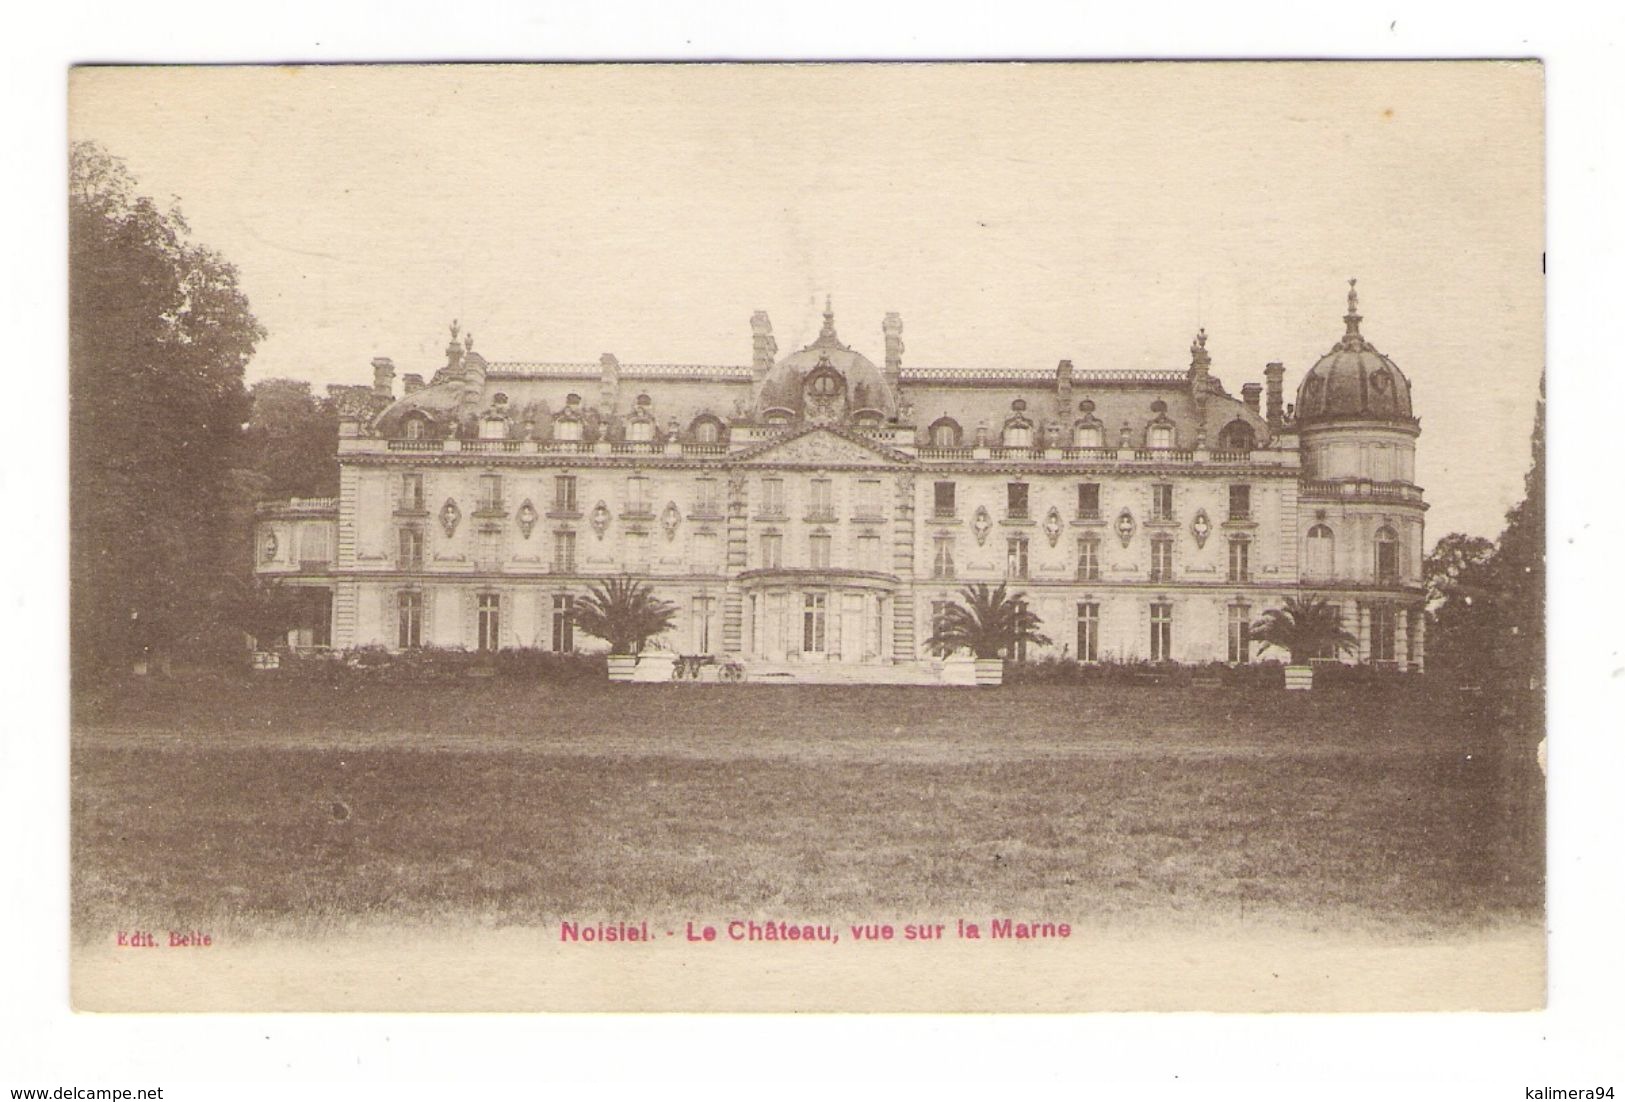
pixel 1387 554
pixel 1088 434
pixel 706 430
pixel 1317 559
pixel 1018 433
pixel 640 430
pixel 1237 436
pixel 567 428
pixel 868 420
pixel 945 433
pixel 824 385
pixel 416 427
pixel 776 418
pixel 1159 435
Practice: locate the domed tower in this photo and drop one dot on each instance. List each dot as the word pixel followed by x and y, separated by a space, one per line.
pixel 1361 510
pixel 826 382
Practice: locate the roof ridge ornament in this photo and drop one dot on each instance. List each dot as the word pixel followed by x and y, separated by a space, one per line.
pixel 1352 338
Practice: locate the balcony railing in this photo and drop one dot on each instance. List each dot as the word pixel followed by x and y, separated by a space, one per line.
pixel 492 445
pixel 1362 490
pixel 416 445
pixel 1163 455
pixel 820 516
pixel 634 447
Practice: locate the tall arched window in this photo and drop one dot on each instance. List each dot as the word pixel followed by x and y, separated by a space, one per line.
pixel 1237 436
pixel 1160 436
pixel 1318 553
pixel 706 430
pixel 945 433
pixel 1387 554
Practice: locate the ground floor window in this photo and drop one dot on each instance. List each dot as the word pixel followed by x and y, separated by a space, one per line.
pixel 409 619
pixel 564 625
pixel 1241 633
pixel 702 610
pixel 564 552
pixel 1162 631
pixel 1383 621
pixel 1088 631
pixel 814 615
pixel 490 621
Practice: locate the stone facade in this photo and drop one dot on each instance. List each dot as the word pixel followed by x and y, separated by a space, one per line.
pixel 817 507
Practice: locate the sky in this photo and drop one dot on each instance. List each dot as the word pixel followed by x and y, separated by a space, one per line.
pixel 1014 215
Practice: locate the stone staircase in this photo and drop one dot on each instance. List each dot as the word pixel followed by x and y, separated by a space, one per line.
pixel 762 672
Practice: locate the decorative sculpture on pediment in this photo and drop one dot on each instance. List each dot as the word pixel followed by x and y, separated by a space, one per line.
pixel 1052 525
pixel 670 518
pixel 1125 526
pixel 981 524
pixel 526 516
pixel 449 516
pixel 599 519
pixel 1200 527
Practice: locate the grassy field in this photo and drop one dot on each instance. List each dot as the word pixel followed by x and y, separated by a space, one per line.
pixel 268 807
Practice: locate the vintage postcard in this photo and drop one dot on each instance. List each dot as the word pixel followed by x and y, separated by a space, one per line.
pixel 815 537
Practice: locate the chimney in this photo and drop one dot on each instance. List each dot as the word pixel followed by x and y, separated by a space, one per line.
pixel 609 381
pixel 412 382
pixel 762 345
pixel 1249 394
pixel 1272 389
pixel 892 327
pixel 383 376
pixel 1200 360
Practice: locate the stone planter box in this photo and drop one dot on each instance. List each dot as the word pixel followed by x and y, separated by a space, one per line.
pixel 959 669
pixel 621 666
pixel 989 672
pixel 1301 678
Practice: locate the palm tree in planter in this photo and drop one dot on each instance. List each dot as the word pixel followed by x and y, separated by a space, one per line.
pixel 1305 627
pixel 991 624
pixel 626 614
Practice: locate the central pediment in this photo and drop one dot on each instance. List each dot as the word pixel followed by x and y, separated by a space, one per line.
pixel 823 446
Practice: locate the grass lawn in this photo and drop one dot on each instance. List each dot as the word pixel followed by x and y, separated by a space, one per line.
pixel 268 807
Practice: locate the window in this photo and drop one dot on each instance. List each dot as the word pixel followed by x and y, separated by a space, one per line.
pixel 772 550
pixel 825 385
pixel 640 431
pixel 1237 436
pixel 1162 631
pixel 1089 559
pixel 489 548
pixel 701 612
pixel 637 495
pixel 564 622
pixel 1241 637
pixel 268 546
pixel 1383 623
pixel 705 498
pixel 1018 434
pixel 1162 558
pixel 945 433
pixel 705 552
pixel 942 559
pixel 1318 553
pixel 1088 631
pixel 415 428
pixel 564 552
pixel 1016 557
pixel 868 497
pixel 490 621
pixel 942 500
pixel 409 619
pixel 818 551
pixel 411 549
pixel 812 623
pixel 773 497
pixel 1015 500
pixel 412 492
pixel 1241 502
pixel 868 552
pixel 313 544
pixel 1240 567
pixel 564 493
pixel 1387 555
pixel 1162 501
pixel 819 503
pixel 1160 436
pixel 707 431
pixel 490 492
pixel 1088 500
pixel 1088 436
pixel 637 552
pixel 568 430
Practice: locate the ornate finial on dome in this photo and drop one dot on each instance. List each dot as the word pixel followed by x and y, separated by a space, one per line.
pixel 1199 357
pixel 453 328
pixel 827 334
pixel 1352 318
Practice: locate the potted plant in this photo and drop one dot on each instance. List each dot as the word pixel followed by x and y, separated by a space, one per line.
pixel 1305 627
pixel 989 623
pixel 625 614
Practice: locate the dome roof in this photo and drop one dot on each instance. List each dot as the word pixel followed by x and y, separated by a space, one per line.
pixel 1354 382
pixel 784 385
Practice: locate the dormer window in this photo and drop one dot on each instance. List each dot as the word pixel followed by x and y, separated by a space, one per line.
pixel 945 433
pixel 415 428
pixel 1160 436
pixel 825 385
pixel 567 430
pixel 707 431
pixel 640 431
pixel 1088 434
pixel 1018 434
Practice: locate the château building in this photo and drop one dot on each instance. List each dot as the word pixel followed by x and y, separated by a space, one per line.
pixel 821 507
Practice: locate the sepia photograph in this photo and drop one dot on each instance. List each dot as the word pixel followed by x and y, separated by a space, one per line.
pixel 808 537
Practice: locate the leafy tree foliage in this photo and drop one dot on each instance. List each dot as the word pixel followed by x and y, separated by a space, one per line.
pixel 624 613
pixel 991 623
pixel 1305 627
pixel 292 440
pixel 1460 583
pixel 159 335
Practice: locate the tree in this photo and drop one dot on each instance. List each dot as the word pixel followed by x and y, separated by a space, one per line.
pixel 990 622
pixel 1459 576
pixel 159 333
pixel 292 440
pixel 1305 627
pixel 624 613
